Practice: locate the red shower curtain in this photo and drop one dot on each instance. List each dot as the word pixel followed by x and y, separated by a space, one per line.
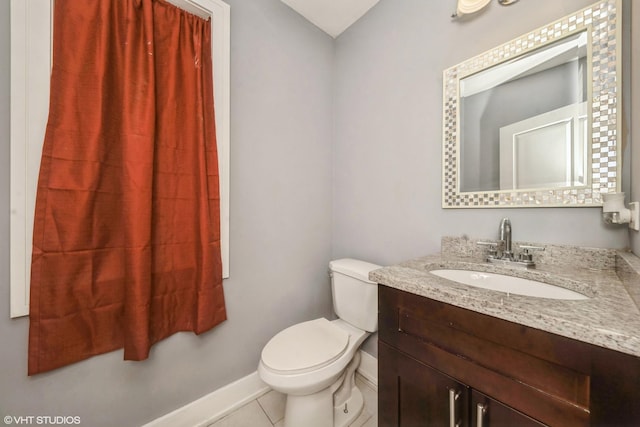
pixel 126 247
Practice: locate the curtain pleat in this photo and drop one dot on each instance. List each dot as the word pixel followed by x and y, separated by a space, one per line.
pixel 126 247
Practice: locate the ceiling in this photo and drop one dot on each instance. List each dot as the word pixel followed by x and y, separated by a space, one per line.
pixel 331 16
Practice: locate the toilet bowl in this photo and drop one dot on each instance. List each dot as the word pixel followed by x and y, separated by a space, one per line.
pixel 314 362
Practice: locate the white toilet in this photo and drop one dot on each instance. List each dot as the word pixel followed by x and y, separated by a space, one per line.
pixel 314 362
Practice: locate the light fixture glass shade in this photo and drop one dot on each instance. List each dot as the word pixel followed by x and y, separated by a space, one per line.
pixel 470 6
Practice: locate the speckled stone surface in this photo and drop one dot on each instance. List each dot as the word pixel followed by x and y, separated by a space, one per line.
pixel 610 318
pixel 559 255
pixel 628 269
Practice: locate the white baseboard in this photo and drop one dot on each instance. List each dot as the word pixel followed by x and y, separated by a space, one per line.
pixel 215 405
pixel 227 399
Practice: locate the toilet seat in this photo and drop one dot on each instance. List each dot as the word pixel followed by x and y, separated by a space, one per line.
pixel 305 347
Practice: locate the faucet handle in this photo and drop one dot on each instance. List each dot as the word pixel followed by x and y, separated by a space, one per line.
pixel 526 254
pixel 481 243
pixel 528 248
pixel 491 246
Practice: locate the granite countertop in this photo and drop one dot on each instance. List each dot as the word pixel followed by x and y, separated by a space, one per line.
pixel 610 318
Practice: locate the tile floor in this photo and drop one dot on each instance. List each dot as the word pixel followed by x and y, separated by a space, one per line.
pixel 268 410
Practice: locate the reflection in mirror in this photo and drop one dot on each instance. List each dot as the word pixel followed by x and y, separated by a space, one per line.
pixel 523 122
pixel 534 122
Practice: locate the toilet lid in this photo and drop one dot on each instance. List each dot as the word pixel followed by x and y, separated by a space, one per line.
pixel 305 346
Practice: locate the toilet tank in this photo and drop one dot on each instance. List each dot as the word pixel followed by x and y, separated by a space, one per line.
pixel 355 297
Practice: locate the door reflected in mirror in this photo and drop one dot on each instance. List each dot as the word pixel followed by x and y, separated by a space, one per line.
pixel 523 122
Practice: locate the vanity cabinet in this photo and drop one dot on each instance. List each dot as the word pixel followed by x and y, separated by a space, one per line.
pixel 414 394
pixel 442 365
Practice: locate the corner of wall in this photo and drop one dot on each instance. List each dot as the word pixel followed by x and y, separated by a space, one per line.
pixel 634 133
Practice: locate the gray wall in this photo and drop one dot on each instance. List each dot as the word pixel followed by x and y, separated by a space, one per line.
pixel 280 235
pixel 388 131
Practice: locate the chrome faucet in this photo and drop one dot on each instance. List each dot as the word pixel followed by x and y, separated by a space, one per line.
pixel 507 257
pixel 505 237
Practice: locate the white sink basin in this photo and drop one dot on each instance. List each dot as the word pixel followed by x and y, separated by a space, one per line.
pixel 508 284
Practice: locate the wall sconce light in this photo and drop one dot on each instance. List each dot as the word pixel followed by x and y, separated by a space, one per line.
pixel 614 211
pixel 466 7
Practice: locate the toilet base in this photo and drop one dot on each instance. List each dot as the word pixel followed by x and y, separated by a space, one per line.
pixel 347 413
pixel 335 406
pixel 310 411
pixel 302 411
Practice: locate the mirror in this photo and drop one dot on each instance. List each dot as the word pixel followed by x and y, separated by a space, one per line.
pixel 533 122
pixel 514 142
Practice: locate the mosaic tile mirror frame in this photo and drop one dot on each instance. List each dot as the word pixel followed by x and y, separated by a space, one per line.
pixel 601 23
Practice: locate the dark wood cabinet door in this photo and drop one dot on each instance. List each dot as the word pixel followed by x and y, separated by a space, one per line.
pixel 486 412
pixel 412 394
